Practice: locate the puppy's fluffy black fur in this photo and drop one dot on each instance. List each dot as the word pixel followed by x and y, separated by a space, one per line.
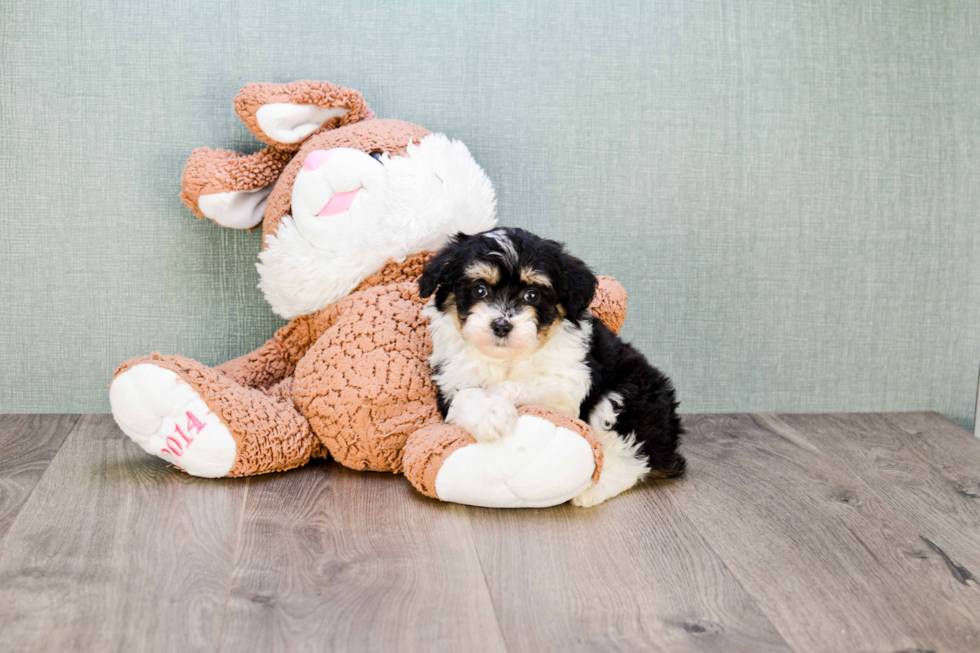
pixel 643 397
pixel 573 283
pixel 648 407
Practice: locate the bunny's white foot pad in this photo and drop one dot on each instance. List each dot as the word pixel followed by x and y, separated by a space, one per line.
pixel 167 418
pixel 538 465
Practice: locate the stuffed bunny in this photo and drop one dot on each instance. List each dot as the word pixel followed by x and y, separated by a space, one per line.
pixel 351 209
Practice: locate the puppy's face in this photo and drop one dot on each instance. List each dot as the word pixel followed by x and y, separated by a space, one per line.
pixel 505 313
pixel 508 290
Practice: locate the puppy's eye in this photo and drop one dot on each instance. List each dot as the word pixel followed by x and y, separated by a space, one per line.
pixel 531 295
pixel 481 290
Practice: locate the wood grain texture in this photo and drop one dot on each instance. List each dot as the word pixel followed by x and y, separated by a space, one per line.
pixel 333 559
pixel 831 565
pixel 27 445
pixel 114 551
pixel 804 533
pixel 923 467
pixel 629 575
pixel 952 452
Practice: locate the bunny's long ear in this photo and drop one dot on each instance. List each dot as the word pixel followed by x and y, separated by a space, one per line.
pixel 285 115
pixel 229 187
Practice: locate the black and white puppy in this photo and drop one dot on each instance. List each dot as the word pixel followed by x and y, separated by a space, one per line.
pixel 510 326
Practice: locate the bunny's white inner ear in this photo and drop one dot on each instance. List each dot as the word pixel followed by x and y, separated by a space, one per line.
pixel 291 123
pixel 237 209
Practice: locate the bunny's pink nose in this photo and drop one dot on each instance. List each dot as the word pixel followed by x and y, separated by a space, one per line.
pixel 315 159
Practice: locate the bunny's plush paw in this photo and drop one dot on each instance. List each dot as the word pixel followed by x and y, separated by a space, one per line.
pixel 167 418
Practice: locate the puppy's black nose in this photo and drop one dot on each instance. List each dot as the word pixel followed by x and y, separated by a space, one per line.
pixel 501 327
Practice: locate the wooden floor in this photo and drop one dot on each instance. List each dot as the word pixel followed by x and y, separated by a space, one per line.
pixel 789 533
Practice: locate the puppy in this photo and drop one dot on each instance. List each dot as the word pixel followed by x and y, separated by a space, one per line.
pixel 510 326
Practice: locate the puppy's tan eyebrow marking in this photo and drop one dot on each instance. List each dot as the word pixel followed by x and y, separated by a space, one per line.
pixel 533 277
pixel 485 271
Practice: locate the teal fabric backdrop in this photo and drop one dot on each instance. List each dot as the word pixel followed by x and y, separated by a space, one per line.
pixel 789 190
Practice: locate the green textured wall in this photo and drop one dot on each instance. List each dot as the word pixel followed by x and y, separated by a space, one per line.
pixel 788 190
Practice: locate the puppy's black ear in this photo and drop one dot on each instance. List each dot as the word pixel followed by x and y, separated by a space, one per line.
pixel 577 286
pixel 434 273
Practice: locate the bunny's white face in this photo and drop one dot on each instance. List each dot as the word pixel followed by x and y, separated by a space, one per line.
pixel 338 198
pixel 352 211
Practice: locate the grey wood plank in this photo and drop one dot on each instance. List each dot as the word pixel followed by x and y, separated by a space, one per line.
pixel 832 566
pixel 629 575
pixel 27 445
pixel 115 551
pixel 930 480
pixel 332 559
pixel 954 451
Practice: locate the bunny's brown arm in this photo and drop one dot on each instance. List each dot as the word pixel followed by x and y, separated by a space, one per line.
pixel 609 304
pixel 277 358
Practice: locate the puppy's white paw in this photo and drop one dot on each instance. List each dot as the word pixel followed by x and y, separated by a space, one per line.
pixel 485 417
pixel 511 391
pixel 167 418
pixel 623 466
pixel 499 419
pixel 593 496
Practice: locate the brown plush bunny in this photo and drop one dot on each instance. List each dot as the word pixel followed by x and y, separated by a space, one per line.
pixel 351 208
